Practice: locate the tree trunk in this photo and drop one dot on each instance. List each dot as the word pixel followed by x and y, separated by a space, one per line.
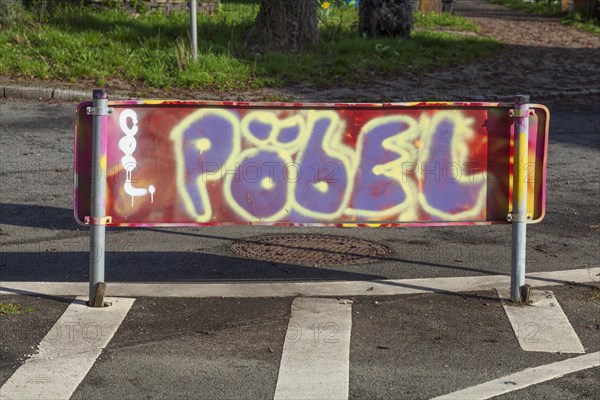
pixel 284 25
pixel 386 17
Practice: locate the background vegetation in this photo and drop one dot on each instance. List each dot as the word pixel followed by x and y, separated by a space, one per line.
pixel 73 43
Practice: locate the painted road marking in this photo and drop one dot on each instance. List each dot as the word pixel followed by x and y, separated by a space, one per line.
pixel 525 378
pixel 315 363
pixel 383 287
pixel 542 326
pixel 67 352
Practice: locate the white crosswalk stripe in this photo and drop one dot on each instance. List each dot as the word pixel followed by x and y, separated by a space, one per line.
pixel 542 326
pixel 316 353
pixel 67 352
pixel 525 378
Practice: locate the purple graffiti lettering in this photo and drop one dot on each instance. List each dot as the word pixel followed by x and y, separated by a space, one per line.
pixel 378 184
pixel 324 180
pixel 260 130
pixel 289 134
pixel 259 187
pixel 207 143
pixel 442 181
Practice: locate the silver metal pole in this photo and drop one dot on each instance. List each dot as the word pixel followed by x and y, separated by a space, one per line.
pixel 194 28
pixel 99 113
pixel 519 214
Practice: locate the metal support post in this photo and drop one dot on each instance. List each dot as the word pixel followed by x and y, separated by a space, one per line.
pixel 519 215
pixel 194 28
pixel 99 114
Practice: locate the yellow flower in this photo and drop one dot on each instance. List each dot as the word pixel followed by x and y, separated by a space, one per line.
pixel 325 5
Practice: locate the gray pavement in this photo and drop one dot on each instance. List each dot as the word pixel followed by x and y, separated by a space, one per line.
pixel 40 240
pixel 21 333
pixel 415 346
pixel 412 346
pixel 184 348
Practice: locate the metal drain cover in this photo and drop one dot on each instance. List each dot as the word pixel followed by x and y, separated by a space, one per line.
pixel 311 250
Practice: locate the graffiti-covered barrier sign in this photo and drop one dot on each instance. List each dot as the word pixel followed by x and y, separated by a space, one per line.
pixel 191 163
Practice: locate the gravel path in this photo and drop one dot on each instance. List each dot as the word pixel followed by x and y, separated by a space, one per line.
pixel 542 55
pixel 542 58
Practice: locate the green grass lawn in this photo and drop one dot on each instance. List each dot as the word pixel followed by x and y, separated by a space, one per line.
pixel 12 309
pixel 576 20
pixel 81 45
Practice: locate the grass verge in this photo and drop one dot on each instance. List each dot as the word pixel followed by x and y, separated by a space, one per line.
pixel 578 21
pixel 110 47
pixel 12 309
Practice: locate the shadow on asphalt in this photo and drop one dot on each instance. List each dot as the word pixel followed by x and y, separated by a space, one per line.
pixel 35 216
pixel 38 262
pixel 128 263
pixel 58 299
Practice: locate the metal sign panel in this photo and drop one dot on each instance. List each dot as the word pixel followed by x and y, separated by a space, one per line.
pixel 198 163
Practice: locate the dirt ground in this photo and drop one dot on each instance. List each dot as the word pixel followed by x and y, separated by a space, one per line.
pixel 542 55
pixel 550 61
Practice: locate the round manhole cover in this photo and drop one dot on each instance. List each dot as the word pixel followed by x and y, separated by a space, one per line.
pixel 312 250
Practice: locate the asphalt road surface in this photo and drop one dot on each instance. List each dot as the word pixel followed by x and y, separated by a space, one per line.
pixel 42 241
pixel 409 346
